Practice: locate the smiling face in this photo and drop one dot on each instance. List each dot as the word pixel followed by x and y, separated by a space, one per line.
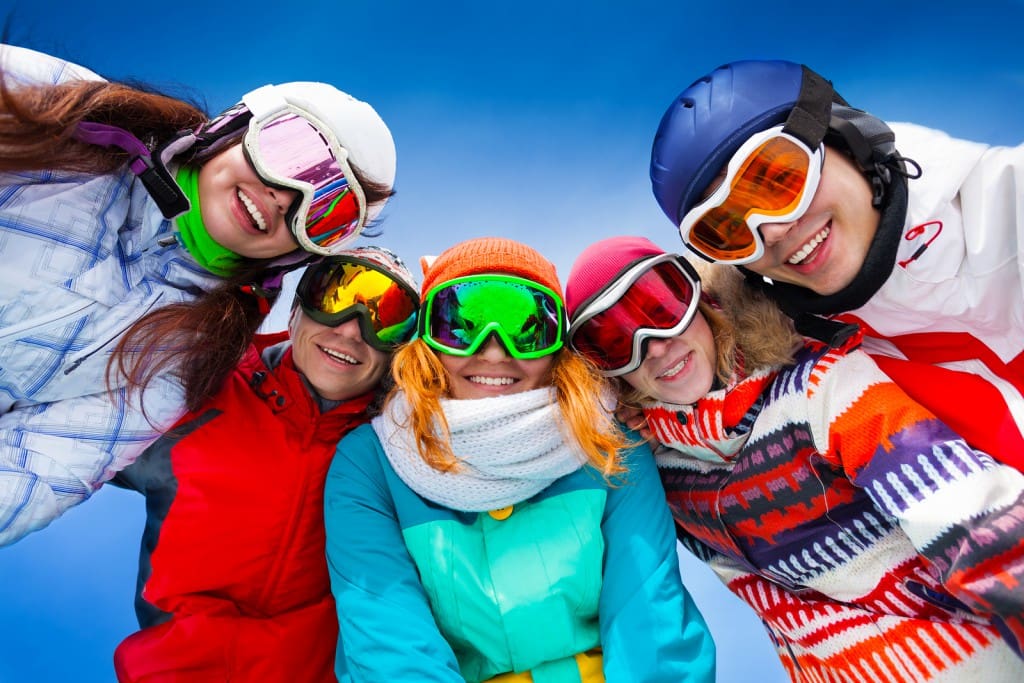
pixel 825 248
pixel 336 361
pixel 678 370
pixel 241 213
pixel 492 372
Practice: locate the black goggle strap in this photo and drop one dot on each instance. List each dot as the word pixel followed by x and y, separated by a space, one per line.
pixel 809 120
pixel 154 174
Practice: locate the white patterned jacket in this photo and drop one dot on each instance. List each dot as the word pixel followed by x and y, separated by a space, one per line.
pixel 81 258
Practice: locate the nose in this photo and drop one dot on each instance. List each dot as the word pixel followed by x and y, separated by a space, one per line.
pixel 773 233
pixel 349 330
pixel 282 198
pixel 657 347
pixel 493 350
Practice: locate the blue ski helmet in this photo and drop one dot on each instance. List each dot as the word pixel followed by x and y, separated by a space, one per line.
pixel 710 119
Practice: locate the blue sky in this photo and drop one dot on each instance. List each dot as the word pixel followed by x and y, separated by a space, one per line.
pixel 532 120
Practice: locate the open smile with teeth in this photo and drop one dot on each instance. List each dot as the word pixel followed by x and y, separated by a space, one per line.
pixel 491 381
pixel 677 368
pixel 338 355
pixel 257 218
pixel 805 251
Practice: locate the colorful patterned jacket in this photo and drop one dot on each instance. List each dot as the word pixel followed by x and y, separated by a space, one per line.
pixel 871 540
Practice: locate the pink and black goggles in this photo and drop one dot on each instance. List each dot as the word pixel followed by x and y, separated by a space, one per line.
pixel 292 149
pixel 295 151
pixel 655 298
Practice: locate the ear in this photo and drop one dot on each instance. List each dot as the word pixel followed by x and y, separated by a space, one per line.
pixel 293 320
pixel 426 262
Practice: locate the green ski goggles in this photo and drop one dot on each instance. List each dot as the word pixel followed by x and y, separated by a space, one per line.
pixel 459 315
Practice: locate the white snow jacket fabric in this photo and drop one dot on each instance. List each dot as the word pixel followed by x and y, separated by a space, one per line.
pixel 954 301
pixel 81 258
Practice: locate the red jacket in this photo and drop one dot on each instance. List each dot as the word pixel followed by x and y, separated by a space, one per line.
pixel 233 576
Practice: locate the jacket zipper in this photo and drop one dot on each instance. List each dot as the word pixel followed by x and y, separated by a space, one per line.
pixel 106 338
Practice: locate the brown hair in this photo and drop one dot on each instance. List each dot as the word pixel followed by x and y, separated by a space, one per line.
pixel 37 123
pixel 200 340
pixel 578 387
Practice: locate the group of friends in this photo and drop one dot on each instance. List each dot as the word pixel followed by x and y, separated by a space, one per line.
pixel 484 476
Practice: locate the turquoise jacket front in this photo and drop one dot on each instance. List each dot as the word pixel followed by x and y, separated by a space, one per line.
pixel 426 593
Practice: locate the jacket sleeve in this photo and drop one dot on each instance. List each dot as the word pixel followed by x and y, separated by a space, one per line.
pixel 991 199
pixel 55 455
pixel 386 629
pixel 28 66
pixel 650 628
pixel 963 512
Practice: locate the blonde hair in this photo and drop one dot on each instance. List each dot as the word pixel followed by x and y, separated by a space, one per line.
pixel 750 329
pixel 418 373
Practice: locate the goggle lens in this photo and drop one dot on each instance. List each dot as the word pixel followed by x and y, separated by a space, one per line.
pixel 333 292
pixel 770 183
pixel 461 314
pixel 292 149
pixel 662 298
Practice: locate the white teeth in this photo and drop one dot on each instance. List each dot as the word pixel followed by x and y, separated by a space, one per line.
pixel 344 357
pixel 806 250
pixel 491 381
pixel 675 369
pixel 253 211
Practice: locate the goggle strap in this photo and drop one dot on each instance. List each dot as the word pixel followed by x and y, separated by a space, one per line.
pixel 262 297
pixel 158 182
pixel 809 120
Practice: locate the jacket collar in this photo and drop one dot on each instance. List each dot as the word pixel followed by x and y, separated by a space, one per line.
pixel 287 395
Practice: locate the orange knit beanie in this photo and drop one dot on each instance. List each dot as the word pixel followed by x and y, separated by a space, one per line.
pixel 489 255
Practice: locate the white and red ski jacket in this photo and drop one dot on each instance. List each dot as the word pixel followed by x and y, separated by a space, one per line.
pixel 948 324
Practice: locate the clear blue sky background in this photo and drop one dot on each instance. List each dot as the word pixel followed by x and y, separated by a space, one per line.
pixel 532 120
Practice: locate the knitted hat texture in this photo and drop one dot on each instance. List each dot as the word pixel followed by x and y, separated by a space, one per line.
pixel 602 262
pixel 490 255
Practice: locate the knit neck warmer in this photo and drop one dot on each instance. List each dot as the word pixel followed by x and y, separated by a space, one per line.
pixel 509 448
pixel 713 428
pixel 192 233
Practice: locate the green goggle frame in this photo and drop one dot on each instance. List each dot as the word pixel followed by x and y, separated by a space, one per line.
pixel 458 316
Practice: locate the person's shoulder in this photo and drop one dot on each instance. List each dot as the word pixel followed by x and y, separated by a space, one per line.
pixel 921 142
pixel 31 67
pixel 361 436
pixel 359 454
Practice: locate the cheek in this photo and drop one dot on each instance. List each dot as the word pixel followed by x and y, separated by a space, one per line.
pixel 538 371
pixel 381 366
pixel 641 380
pixel 451 364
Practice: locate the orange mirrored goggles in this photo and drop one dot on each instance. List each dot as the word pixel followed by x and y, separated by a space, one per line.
pixel 771 178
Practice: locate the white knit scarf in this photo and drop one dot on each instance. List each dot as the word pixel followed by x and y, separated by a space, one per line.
pixel 508 448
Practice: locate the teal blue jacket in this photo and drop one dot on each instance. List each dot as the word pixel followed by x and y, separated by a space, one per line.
pixel 425 593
